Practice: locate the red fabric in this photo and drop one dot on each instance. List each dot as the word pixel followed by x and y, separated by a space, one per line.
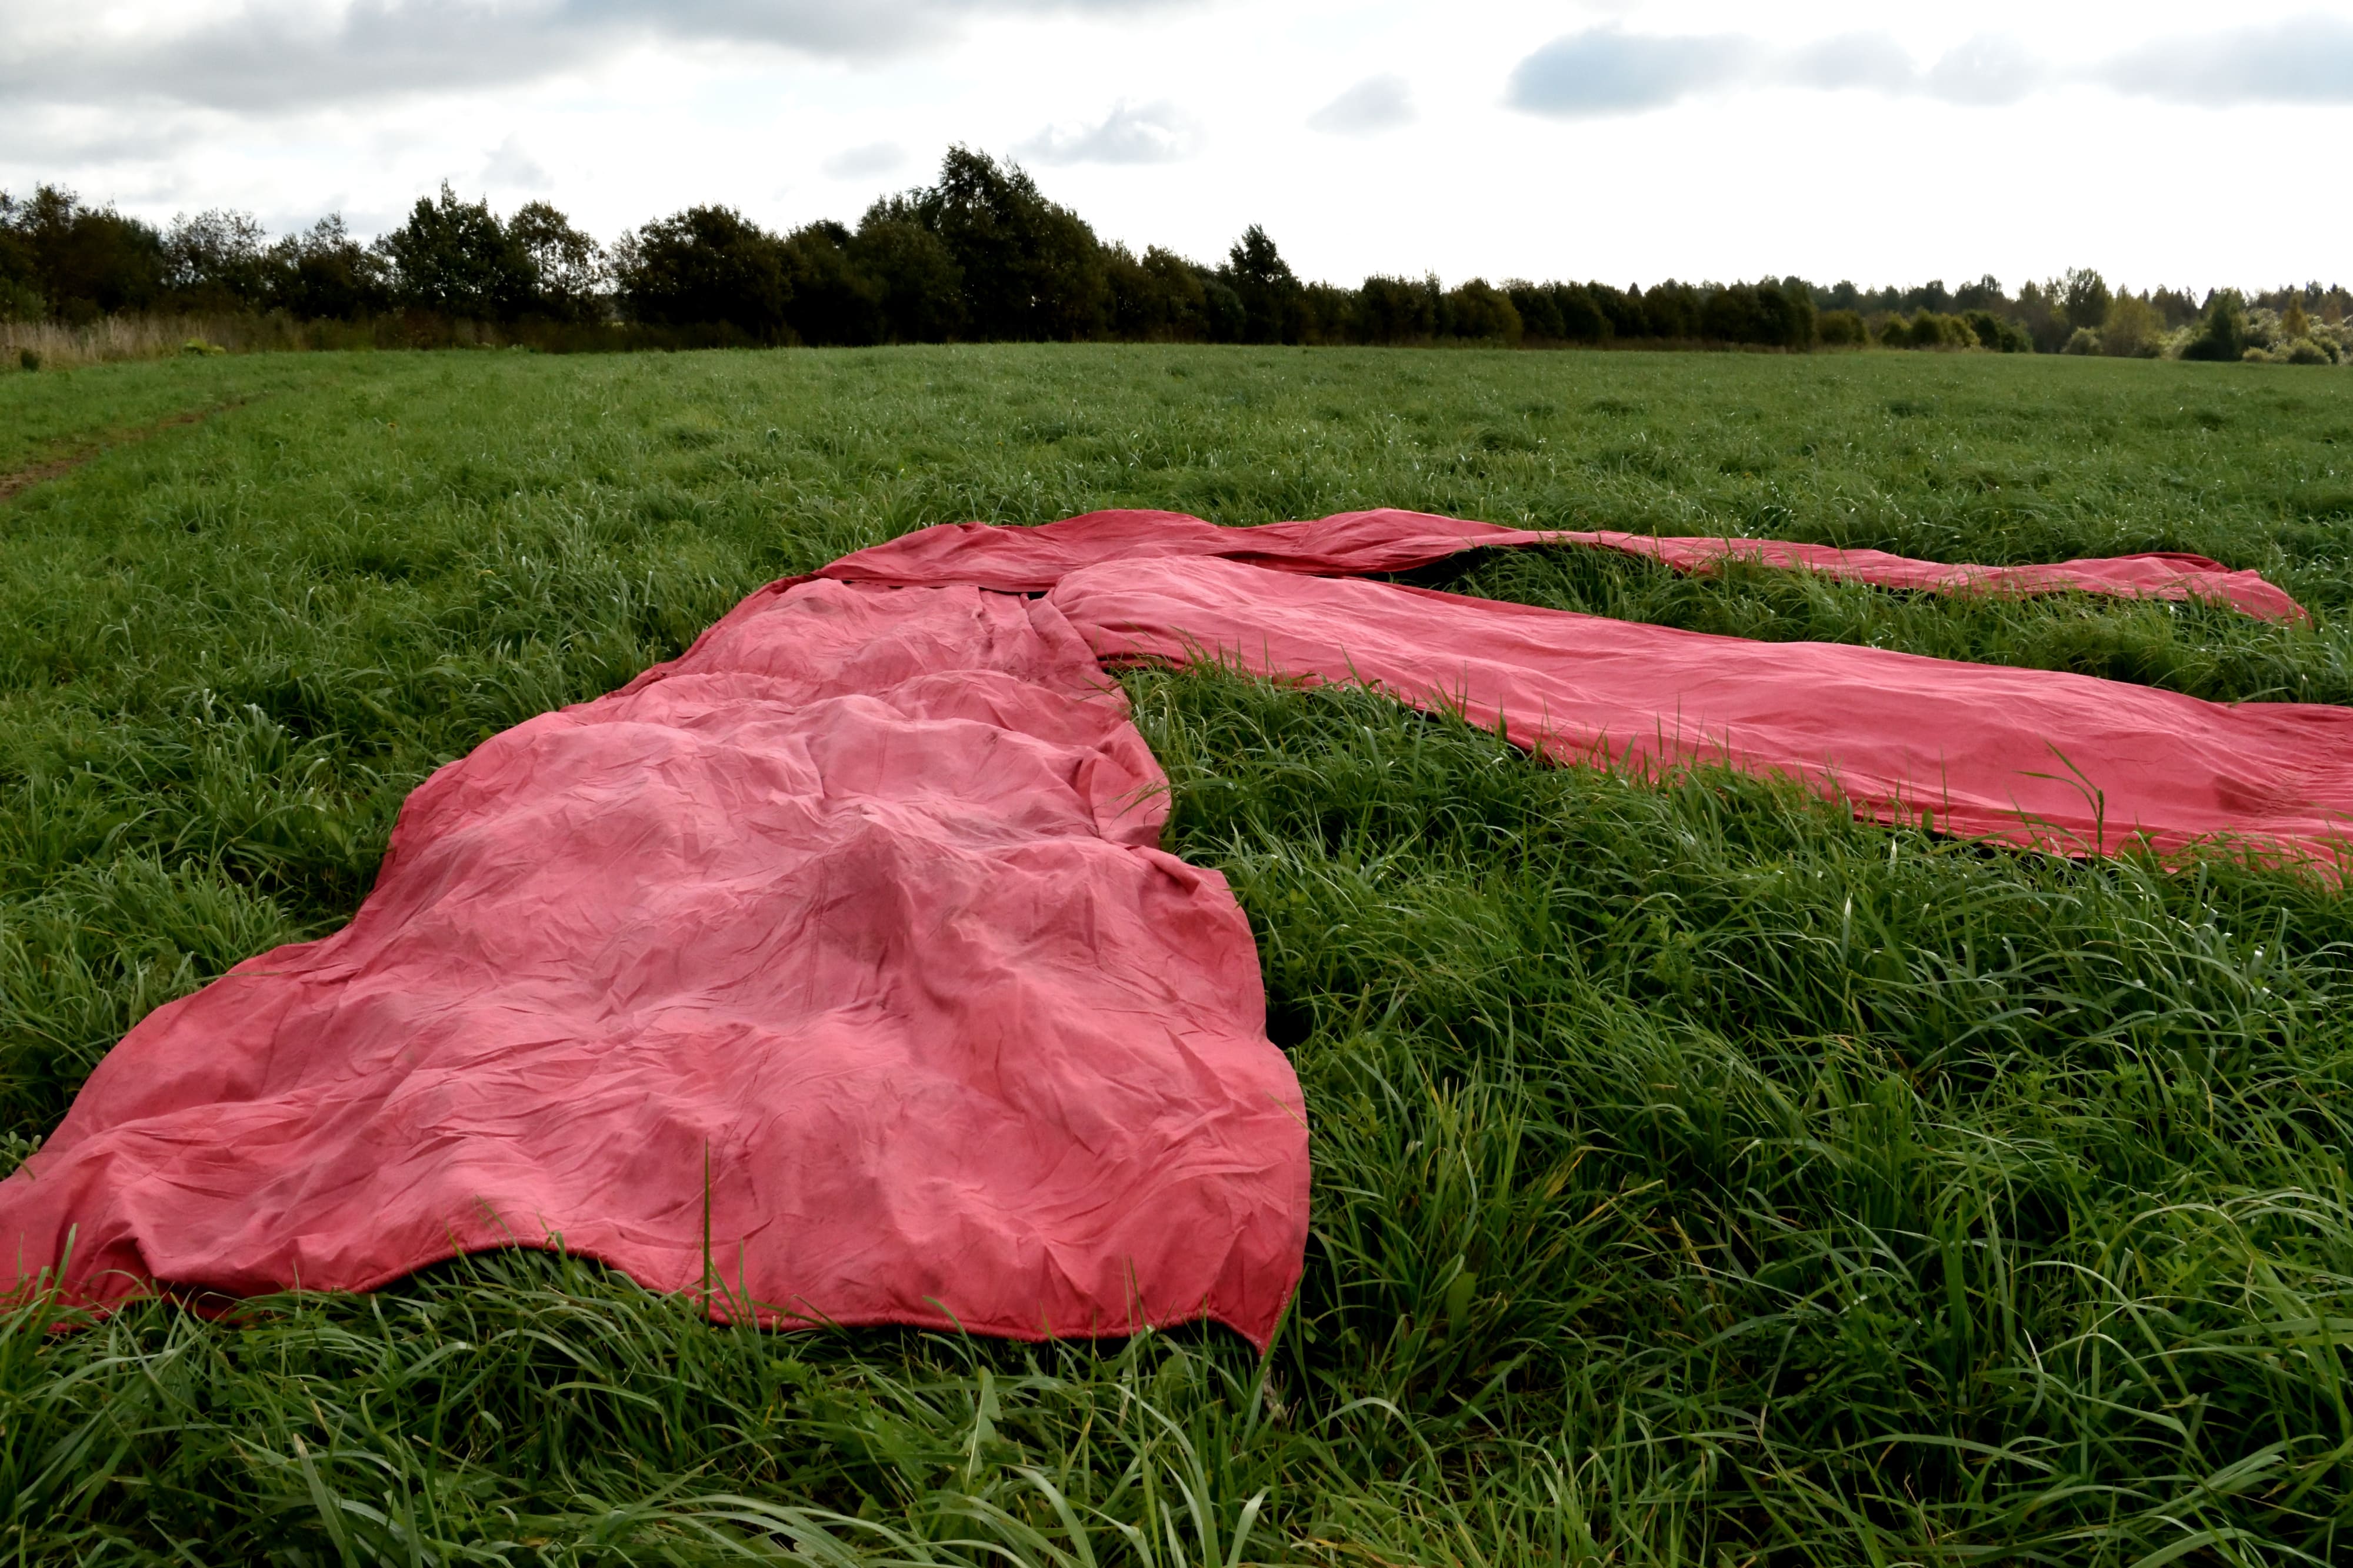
pixel 2026 756
pixel 842 941
pixel 1360 543
pixel 834 964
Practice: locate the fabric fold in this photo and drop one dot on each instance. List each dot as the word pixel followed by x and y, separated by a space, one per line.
pixel 1364 543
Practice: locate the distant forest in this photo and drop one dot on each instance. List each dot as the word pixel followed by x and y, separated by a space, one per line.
pixel 982 255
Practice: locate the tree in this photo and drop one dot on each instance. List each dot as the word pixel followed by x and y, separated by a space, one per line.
pixel 1673 309
pixel 826 300
pixel 325 273
pixel 705 267
pixel 217 260
pixel 1985 294
pixel 918 283
pixel 2222 333
pixel 2131 329
pixel 455 258
pixel 1476 309
pixel 569 273
pixel 1031 270
pixel 1270 292
pixel 1396 310
pixel 1158 297
pixel 2082 298
pixel 83 262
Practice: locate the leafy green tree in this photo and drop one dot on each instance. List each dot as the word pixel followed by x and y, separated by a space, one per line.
pixel 457 258
pixel 84 262
pixel 826 300
pixel 1477 310
pixel 20 294
pixel 1764 313
pixel 1397 311
pixel 2131 329
pixel 569 273
pixel 1032 270
pixel 1539 310
pixel 1985 294
pixel 2084 298
pixel 705 267
pixel 1157 297
pixel 1270 292
pixel 919 285
pixel 1672 310
pixel 1622 309
pixel 325 274
pixel 2222 331
pixel 217 260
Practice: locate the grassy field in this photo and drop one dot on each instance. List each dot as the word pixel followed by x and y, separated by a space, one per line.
pixel 1701 1177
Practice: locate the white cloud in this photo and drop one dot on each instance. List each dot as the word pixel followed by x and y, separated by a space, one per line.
pixel 1375 104
pixel 509 167
pixel 1131 133
pixel 1986 70
pixel 2307 60
pixel 865 162
pixel 1851 59
pixel 1605 71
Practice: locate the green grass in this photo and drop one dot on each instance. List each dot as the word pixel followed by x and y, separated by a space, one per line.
pixel 1701 1177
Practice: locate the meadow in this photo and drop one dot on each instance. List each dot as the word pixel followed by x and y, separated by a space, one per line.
pixel 1701 1177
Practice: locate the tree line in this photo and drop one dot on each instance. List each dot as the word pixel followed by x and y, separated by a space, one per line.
pixel 981 254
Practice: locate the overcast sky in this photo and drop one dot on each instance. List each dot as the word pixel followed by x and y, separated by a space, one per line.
pixel 2159 140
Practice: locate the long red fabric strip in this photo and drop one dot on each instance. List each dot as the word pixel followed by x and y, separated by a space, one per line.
pixel 1362 543
pixel 834 966
pixel 2030 757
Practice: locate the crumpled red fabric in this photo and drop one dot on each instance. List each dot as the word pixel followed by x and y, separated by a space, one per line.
pixel 2041 758
pixel 1364 543
pixel 833 966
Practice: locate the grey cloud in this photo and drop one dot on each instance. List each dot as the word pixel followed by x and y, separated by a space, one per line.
pixel 1146 134
pixel 863 163
pixel 1375 104
pixel 2306 61
pixel 1603 70
pixel 275 56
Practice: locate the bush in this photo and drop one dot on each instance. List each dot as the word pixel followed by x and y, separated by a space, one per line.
pixel 2222 333
pixel 2083 340
pixel 1998 332
pixel 2304 351
pixel 1932 329
pixel 1839 329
